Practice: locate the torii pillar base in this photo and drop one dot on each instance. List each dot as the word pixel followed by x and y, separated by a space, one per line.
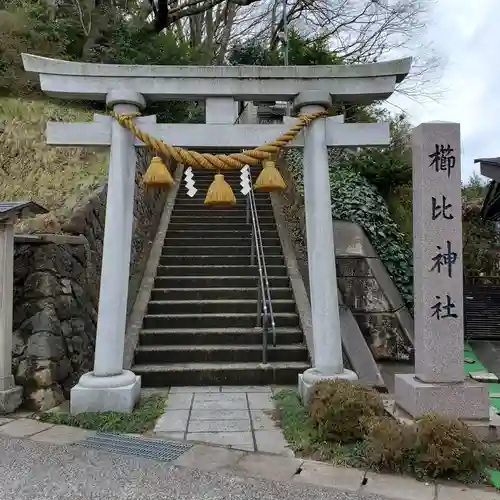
pixel 11 399
pixel 97 394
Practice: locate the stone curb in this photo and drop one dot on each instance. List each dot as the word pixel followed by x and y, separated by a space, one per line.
pixel 267 466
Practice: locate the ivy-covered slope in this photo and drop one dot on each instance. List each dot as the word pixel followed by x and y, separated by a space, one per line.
pixel 355 200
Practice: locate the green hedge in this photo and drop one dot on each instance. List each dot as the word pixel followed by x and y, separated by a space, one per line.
pixel 355 200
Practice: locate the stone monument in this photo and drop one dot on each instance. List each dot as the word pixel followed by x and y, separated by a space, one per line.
pixel 438 384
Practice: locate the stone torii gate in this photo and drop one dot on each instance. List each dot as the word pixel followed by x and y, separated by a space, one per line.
pixel 126 89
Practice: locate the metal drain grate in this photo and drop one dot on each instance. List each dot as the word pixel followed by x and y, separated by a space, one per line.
pixel 137 446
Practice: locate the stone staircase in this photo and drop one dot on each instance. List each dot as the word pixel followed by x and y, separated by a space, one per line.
pixel 200 323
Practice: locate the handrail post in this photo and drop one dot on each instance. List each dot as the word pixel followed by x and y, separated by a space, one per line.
pixel 252 250
pixel 264 342
pixel 259 305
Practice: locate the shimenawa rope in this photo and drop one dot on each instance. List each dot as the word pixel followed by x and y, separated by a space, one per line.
pixel 218 162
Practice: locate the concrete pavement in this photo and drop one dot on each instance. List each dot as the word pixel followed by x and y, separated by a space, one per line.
pixel 233 416
pixel 36 468
pixel 38 471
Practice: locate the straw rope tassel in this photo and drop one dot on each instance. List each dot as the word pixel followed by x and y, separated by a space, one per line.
pixel 157 174
pixel 269 178
pixel 220 192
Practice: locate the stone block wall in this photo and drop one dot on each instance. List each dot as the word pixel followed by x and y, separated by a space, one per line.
pixel 364 284
pixel 56 293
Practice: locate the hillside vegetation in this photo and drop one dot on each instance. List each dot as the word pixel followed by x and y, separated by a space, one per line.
pixel 30 170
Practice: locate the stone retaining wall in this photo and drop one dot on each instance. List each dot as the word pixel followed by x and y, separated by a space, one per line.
pixel 364 283
pixel 56 293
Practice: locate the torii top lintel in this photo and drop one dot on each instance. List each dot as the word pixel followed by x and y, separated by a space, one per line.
pixel 362 83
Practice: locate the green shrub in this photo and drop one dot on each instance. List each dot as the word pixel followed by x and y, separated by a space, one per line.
pixel 435 447
pixel 389 445
pixel 341 410
pixel 446 447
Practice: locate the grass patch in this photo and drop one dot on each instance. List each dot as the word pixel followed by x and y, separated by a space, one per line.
pixel 56 178
pixel 142 419
pixel 304 439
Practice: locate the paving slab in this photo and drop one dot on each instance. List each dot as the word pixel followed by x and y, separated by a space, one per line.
pixel 237 440
pixel 193 388
pixel 267 466
pixel 260 401
pixel 219 415
pixel 219 425
pixel 463 493
pixel 219 396
pixel 172 421
pixel 272 441
pixel 392 486
pixel 226 415
pixel 62 434
pixel 178 436
pixel 209 458
pixel 262 420
pixel 182 401
pixel 24 427
pixel 322 474
pixel 223 404
pixel 246 388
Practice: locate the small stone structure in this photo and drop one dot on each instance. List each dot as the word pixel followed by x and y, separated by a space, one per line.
pixel 10 212
pixel 56 293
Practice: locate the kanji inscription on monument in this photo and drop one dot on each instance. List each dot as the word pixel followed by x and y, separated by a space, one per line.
pixel 437 230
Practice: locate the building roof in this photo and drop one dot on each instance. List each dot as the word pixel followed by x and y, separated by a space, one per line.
pixel 488 161
pixel 20 209
pixel 490 167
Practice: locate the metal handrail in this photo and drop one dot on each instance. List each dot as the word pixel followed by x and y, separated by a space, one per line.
pixel 265 315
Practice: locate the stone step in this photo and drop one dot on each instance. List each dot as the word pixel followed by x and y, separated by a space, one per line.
pixel 214 260
pixel 212 218
pixel 183 374
pixel 232 353
pixel 199 201
pixel 181 281
pixel 203 187
pixel 217 293
pixel 210 232
pixel 214 320
pixel 231 178
pixel 213 240
pixel 241 200
pixel 214 225
pixel 219 336
pixel 218 250
pixel 221 270
pixel 219 306
pixel 209 212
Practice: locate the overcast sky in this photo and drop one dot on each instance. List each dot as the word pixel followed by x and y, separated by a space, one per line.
pixel 467 34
